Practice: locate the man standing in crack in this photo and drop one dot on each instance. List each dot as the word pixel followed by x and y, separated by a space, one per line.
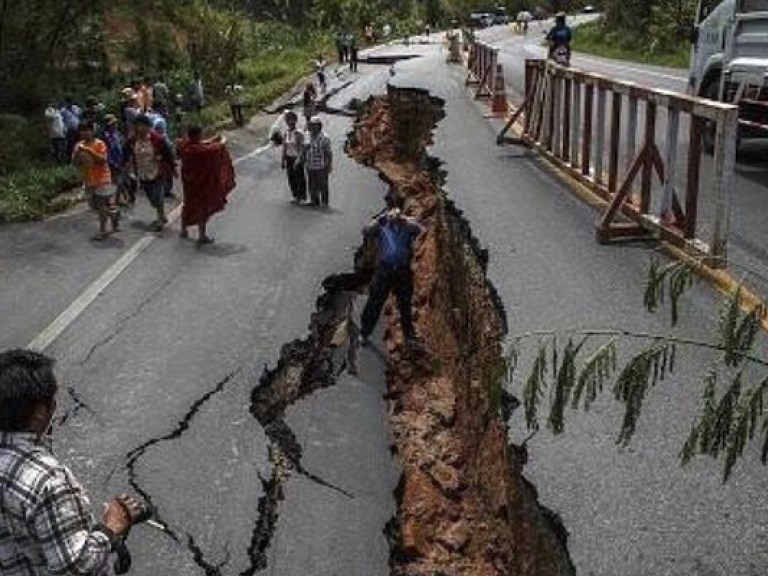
pixel 45 522
pixel 395 234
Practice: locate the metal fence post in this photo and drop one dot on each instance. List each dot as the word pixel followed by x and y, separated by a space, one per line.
pixel 725 161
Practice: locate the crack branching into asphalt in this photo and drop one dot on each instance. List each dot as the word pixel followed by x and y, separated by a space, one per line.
pixel 463 504
pixel 133 457
pixel 125 320
pixel 74 409
pixel 303 367
pixel 199 558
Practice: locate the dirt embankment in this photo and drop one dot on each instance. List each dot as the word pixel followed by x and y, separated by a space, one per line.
pixel 464 507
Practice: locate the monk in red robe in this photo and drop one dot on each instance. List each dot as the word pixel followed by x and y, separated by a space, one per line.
pixel 208 177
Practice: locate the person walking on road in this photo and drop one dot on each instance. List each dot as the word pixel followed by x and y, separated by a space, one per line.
pixel 115 158
pixel 319 162
pixel 234 93
pixel 208 177
pixel 322 81
pixel 309 105
pixel 353 52
pixel 146 152
pixel 293 156
pixel 395 234
pixel 57 134
pixel 46 524
pixel 91 158
pixel 71 113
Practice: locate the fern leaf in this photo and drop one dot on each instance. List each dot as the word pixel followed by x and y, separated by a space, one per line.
pixel 564 385
pixel 632 384
pixel 709 413
pixel 598 368
pixel 534 388
pixel 689 449
pixel 728 327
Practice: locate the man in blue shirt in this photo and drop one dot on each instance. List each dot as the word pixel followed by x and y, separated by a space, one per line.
pixel 395 234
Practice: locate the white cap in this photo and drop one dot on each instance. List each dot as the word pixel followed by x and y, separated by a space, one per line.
pixel 315 120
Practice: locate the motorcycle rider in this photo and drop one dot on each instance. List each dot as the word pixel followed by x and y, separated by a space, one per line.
pixel 559 39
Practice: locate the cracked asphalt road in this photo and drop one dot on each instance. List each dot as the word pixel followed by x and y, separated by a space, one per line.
pixel 165 336
pixel 166 358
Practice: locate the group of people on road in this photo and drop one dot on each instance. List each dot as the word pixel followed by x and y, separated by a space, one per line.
pixel 121 154
pixel 46 523
pixel 347 49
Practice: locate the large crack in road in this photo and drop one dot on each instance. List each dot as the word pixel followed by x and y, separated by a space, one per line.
pixel 463 504
pixel 464 507
pixel 304 366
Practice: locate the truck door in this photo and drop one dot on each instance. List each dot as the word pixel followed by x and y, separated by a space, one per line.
pixel 713 20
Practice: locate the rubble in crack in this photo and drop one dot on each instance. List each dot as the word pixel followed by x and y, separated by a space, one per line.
pixel 464 507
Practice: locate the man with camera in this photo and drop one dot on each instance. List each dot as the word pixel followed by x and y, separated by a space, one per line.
pixel 46 526
pixel 395 234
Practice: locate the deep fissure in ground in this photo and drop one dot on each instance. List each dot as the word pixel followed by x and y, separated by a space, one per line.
pixel 464 507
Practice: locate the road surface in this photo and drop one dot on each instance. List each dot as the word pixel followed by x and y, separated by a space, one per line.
pixel 162 364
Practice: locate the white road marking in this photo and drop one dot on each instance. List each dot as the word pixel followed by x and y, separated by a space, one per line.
pixel 45 338
pixel 631 69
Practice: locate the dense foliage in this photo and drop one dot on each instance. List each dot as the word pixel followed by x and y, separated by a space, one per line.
pixel 661 25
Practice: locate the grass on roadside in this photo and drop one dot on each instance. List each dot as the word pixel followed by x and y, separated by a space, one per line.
pixel 34 193
pixel 591 38
pixel 265 78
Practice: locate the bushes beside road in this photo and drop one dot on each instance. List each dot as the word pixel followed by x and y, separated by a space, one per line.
pixel 595 38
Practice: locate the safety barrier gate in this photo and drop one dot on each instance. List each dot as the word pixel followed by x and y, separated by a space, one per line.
pixel 482 63
pixel 588 124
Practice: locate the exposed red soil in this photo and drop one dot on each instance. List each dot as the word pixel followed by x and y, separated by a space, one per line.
pixel 464 507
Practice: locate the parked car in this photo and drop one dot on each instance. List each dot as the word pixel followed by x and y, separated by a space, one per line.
pixel 589 9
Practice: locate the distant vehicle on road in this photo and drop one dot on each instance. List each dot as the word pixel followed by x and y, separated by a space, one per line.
pixel 589 9
pixel 729 61
pixel 500 16
pixel 480 20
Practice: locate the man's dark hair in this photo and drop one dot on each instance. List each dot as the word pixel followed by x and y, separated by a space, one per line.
pixel 26 380
pixel 194 132
pixel 394 200
pixel 144 120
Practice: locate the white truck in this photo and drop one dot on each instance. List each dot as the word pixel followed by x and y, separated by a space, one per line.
pixel 729 60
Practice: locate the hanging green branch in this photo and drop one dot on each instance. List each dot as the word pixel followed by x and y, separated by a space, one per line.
pixel 725 423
